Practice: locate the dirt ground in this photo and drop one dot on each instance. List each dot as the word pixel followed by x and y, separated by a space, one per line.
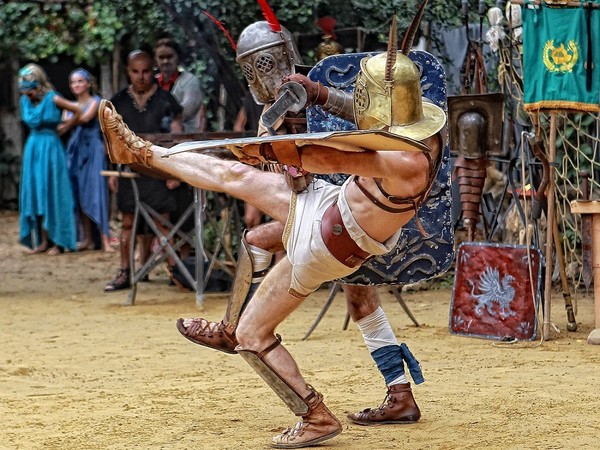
pixel 78 370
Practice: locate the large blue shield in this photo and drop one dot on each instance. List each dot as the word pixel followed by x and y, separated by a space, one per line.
pixel 415 257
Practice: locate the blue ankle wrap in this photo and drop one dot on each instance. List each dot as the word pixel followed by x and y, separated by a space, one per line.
pixel 390 361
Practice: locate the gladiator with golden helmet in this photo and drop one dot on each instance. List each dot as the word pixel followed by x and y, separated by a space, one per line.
pixel 329 231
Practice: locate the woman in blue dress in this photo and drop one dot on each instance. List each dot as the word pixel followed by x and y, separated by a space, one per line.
pixel 46 206
pixel 86 158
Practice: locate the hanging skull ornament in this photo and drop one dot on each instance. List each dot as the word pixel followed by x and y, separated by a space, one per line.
pixel 266 57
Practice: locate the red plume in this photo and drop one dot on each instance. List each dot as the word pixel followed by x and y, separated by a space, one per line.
pixel 269 15
pixel 326 25
pixel 222 27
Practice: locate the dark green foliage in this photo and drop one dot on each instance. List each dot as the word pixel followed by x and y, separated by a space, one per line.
pixel 89 30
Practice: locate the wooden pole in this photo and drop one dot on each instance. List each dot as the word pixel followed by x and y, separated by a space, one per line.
pixel 593 208
pixel 550 218
pixel 596 265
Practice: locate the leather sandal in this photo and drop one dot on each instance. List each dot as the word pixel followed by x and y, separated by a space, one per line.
pixel 122 144
pixel 120 282
pixel 209 334
pixel 398 407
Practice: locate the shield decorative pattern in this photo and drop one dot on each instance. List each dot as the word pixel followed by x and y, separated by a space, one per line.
pixel 496 291
pixel 415 257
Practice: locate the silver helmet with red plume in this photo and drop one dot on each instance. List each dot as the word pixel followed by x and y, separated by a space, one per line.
pixel 266 56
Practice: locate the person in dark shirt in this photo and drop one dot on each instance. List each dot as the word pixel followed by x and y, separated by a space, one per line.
pixel 144 108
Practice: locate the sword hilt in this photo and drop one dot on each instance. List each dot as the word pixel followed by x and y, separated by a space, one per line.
pixel 292 97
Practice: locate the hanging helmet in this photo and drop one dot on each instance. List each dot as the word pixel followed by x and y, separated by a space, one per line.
pixel 476 123
pixel 391 99
pixel 266 57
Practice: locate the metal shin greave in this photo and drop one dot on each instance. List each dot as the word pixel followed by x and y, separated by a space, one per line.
pixel 291 398
pixel 317 424
pixel 471 174
pixel 241 285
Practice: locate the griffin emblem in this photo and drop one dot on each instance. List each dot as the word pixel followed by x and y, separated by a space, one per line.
pixel 493 290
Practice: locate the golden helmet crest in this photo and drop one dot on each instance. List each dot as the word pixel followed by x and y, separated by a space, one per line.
pixel 394 104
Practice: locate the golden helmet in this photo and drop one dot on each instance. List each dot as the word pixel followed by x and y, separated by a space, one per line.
pixel 388 96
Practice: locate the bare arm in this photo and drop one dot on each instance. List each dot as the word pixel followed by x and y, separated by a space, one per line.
pixel 90 113
pixel 65 104
pixel 384 165
pixel 176 124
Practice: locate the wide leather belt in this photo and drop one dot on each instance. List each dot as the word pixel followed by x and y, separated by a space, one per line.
pixel 338 241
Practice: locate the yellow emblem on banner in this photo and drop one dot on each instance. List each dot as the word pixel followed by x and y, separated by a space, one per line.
pixel 560 59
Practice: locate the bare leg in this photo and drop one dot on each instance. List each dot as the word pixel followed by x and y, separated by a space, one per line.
pixel 126 236
pixel 42 246
pixel 267 191
pixel 122 280
pixel 361 300
pixel 145 243
pixel 231 177
pixel 86 224
pixel 267 236
pixel 254 259
pixel 270 305
pixel 106 244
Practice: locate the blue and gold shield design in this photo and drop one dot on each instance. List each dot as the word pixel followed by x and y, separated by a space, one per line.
pixel 415 257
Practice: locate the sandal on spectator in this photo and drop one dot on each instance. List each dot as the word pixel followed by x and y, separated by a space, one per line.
pixel 121 281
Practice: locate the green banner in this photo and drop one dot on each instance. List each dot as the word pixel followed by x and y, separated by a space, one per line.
pixel 555 58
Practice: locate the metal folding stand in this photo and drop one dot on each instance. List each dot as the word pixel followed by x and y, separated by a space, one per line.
pixel 335 288
pixel 166 247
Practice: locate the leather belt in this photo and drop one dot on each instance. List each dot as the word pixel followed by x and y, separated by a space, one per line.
pixel 338 241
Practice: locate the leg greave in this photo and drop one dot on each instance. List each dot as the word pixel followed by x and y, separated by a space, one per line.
pixel 295 402
pixel 240 291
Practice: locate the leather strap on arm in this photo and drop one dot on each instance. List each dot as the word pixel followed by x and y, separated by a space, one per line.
pixel 286 152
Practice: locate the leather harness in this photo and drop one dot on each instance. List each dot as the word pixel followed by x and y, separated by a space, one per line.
pixel 338 240
pixel 413 202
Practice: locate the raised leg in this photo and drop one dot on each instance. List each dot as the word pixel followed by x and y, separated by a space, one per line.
pixel 199 170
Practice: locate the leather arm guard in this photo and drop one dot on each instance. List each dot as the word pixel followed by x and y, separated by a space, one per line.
pixel 471 174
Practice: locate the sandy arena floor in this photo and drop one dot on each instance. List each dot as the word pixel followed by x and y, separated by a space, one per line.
pixel 80 371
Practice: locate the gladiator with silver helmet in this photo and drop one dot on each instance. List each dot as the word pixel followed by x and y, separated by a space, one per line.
pixel 267 53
